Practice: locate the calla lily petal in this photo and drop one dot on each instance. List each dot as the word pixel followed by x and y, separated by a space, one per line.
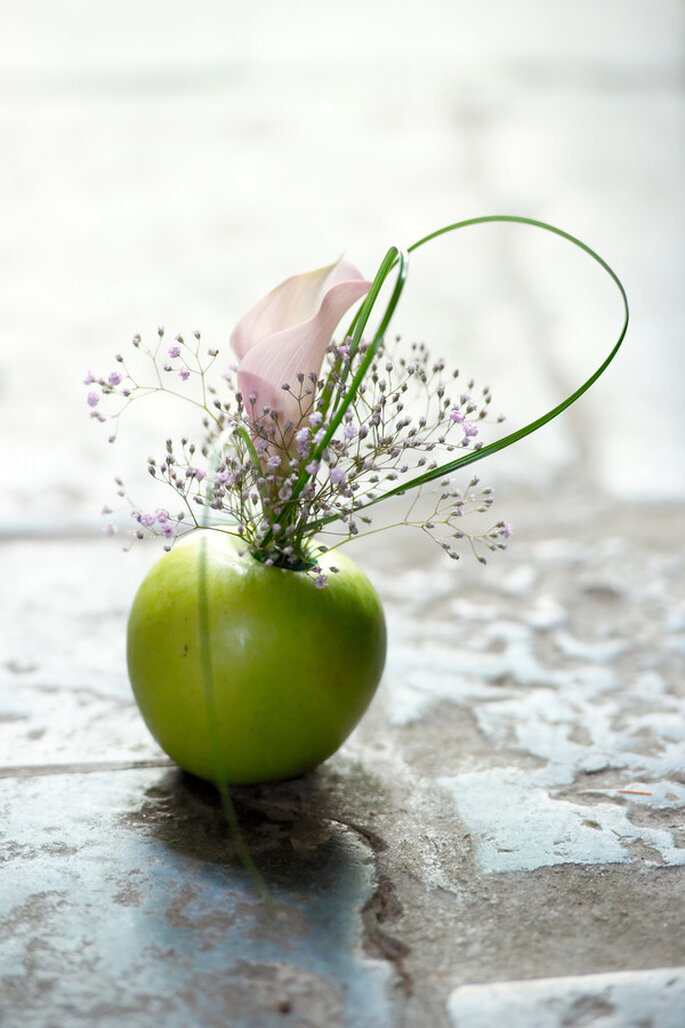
pixel 280 358
pixel 286 335
pixel 291 303
pixel 258 394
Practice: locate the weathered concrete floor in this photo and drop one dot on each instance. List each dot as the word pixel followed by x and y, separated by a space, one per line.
pixel 510 809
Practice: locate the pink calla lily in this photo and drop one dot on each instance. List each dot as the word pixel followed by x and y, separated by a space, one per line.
pixel 287 333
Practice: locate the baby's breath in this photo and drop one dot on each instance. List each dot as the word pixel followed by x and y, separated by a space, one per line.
pixel 281 485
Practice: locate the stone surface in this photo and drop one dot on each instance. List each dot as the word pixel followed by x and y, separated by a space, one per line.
pixel 121 904
pixel 656 998
pixel 510 808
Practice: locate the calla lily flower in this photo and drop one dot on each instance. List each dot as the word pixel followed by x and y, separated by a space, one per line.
pixel 287 334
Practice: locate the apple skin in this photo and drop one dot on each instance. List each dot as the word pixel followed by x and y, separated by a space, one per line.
pixel 293 666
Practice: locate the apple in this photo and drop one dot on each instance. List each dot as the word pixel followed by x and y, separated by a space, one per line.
pixel 280 677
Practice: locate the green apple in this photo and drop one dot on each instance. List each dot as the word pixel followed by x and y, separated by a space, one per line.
pixel 247 673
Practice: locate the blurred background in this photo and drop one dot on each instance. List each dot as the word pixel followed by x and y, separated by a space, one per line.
pixel 166 163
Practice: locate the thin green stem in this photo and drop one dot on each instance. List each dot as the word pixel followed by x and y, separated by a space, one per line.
pixel 243 851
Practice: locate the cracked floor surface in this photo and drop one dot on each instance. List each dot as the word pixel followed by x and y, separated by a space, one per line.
pixel 509 809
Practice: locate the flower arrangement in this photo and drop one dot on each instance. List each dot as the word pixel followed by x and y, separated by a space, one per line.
pixel 253 650
pixel 302 436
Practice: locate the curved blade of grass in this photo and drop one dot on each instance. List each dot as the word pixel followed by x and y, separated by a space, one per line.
pixel 500 444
